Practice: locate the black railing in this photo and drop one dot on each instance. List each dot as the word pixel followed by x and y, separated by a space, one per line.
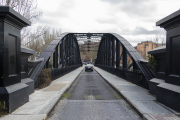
pixel 134 76
pixel 58 72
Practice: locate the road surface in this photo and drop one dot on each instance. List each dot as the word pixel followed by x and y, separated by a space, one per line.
pixel 92 98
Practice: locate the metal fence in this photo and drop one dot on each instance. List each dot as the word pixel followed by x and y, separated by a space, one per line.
pixel 134 76
pixel 58 72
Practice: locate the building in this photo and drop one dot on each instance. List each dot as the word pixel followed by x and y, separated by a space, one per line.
pixel 145 46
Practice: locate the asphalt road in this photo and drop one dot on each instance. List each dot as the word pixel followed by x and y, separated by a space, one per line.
pixel 91 98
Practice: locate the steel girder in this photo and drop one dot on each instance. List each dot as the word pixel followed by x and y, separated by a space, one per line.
pixel 65 51
pixel 106 54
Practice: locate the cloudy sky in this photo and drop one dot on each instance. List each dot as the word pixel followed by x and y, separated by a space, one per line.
pixel 133 19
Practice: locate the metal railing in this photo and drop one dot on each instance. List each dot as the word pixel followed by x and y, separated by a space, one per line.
pixel 134 76
pixel 58 72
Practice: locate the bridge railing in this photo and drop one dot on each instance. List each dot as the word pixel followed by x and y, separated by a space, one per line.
pixel 58 72
pixel 134 76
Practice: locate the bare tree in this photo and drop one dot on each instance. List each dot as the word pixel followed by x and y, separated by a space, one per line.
pixel 28 9
pixel 159 40
pixel 40 43
pixel 38 32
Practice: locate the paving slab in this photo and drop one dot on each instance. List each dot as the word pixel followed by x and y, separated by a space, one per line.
pixel 42 101
pixel 140 98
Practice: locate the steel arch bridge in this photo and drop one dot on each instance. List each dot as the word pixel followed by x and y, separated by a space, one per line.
pixel 66 57
pixel 114 54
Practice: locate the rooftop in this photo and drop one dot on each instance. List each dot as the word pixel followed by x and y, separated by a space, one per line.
pixel 157 50
pixel 168 18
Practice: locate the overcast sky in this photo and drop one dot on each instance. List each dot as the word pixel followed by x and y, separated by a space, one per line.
pixel 133 19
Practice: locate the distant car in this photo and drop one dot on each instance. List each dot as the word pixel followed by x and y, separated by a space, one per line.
pixel 84 63
pixel 89 67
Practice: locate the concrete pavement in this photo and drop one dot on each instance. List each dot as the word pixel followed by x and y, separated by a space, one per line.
pixel 139 98
pixel 42 101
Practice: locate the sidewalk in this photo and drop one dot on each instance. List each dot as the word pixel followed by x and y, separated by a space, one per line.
pixel 42 101
pixel 139 98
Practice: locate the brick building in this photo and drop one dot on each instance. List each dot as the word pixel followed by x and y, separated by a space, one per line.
pixel 145 46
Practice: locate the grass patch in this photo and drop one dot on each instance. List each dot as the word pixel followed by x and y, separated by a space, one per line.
pixel 3 109
pixel 117 96
pixel 85 96
pixel 66 96
pixel 97 96
pixel 44 78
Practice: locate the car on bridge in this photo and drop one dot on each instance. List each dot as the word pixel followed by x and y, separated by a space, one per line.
pixel 89 67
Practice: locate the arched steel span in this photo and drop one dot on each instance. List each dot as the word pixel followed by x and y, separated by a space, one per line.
pixel 112 45
pixel 66 56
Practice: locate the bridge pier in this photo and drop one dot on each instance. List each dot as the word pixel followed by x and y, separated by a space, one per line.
pixel 25 53
pixel 166 85
pixel 13 93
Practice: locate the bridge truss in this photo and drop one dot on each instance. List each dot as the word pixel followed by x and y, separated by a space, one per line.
pixel 115 55
pixel 118 56
pixel 64 51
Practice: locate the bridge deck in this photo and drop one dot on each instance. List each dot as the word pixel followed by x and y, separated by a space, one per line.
pixel 139 98
pixel 92 102
pixel 91 98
